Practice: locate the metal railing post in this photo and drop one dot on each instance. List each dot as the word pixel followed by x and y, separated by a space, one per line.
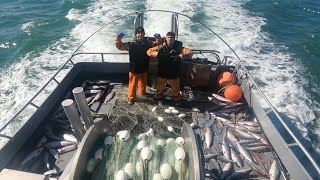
pixel 83 106
pixel 74 118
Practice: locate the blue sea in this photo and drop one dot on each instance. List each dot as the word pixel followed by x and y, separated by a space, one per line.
pixel 278 41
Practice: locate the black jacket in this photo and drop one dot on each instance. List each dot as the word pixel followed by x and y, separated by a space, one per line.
pixel 169 61
pixel 139 60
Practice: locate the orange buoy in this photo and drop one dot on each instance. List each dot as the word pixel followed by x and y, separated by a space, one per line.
pixel 226 78
pixel 233 93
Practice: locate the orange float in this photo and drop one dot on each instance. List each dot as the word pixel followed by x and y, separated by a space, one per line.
pixel 226 79
pixel 233 93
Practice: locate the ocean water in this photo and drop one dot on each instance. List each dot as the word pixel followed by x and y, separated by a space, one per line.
pixel 277 40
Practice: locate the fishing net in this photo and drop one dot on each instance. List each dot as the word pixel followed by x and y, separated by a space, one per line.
pixel 116 160
pixel 138 119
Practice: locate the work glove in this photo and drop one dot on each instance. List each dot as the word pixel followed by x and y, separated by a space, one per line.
pixel 120 35
pixel 185 56
pixel 156 35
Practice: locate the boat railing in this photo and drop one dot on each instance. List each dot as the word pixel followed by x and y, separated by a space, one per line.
pixel 223 61
pixel 55 80
pixel 297 142
pixel 52 79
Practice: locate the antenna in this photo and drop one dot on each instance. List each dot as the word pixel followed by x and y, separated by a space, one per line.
pixel 174 25
pixel 138 22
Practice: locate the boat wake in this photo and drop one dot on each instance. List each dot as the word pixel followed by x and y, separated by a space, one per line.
pixel 281 79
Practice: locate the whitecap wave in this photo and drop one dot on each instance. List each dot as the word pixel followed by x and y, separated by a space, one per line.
pixel 27 26
pixel 5 45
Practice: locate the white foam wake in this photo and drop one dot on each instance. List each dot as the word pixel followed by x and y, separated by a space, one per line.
pixel 20 81
pixel 278 74
pixel 280 77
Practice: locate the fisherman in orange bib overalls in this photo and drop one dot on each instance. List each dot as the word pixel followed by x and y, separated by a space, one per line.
pixel 169 59
pixel 139 61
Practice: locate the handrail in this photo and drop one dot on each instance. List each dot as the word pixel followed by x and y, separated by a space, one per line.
pixel 30 101
pixel 305 151
pixel 192 20
pixel 53 78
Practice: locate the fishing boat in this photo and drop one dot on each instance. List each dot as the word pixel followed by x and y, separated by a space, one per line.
pixel 85 129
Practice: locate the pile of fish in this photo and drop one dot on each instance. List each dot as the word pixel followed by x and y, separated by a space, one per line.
pixel 97 91
pixel 233 145
pixel 59 137
pixel 57 140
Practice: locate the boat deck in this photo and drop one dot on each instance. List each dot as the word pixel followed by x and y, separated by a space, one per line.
pixel 137 117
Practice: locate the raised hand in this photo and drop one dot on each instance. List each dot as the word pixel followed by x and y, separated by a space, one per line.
pixel 156 35
pixel 120 35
